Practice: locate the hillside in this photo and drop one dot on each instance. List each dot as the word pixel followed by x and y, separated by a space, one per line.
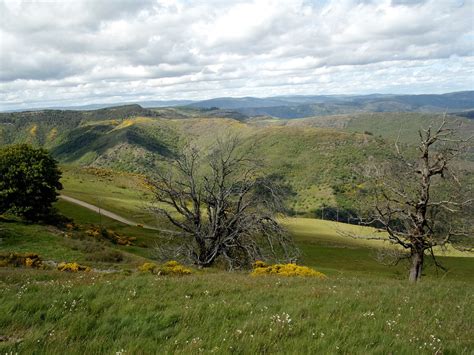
pixel 391 125
pixel 104 156
pixel 312 160
pixel 314 155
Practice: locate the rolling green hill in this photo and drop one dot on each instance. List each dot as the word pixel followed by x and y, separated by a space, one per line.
pixel 387 124
pixel 310 159
pixel 117 308
pixel 314 155
pixel 390 126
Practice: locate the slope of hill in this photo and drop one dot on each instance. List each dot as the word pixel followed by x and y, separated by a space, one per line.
pixel 315 156
pixel 391 125
pixel 309 159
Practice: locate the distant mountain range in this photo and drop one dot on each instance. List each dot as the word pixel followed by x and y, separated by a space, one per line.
pixel 313 105
pixel 307 106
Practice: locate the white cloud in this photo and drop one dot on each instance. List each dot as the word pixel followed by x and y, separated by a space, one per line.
pixel 75 52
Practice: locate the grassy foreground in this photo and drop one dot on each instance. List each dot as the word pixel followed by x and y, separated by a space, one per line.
pixel 319 242
pixel 363 307
pixel 54 313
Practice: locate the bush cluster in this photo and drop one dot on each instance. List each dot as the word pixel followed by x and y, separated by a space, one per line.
pixel 148 267
pixel 111 236
pixel 94 248
pixel 18 259
pixel 174 268
pixel 72 267
pixel 169 268
pixel 260 268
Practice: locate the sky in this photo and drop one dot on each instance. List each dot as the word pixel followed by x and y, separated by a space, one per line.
pixel 76 52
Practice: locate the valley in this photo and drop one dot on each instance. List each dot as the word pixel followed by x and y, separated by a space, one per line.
pixel 315 156
pixel 106 157
pixel 236 177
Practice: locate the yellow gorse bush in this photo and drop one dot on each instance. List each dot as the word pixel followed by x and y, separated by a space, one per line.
pixel 72 267
pixel 260 268
pixel 110 235
pixel 174 268
pixel 170 268
pixel 172 263
pixel 29 262
pixel 148 267
pixel 32 260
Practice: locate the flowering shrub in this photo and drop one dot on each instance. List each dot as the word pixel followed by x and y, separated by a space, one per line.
pixel 174 268
pixel 259 264
pixel 72 267
pixel 260 268
pixel 18 259
pixel 169 268
pixel 172 263
pixel 29 262
pixel 148 267
pixel 110 235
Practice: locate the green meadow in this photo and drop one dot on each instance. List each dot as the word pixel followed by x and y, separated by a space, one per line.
pixel 364 306
pixel 49 312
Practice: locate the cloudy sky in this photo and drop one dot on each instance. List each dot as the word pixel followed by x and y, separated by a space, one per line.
pixel 73 52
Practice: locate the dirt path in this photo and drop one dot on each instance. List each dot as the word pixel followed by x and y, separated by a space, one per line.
pixel 105 212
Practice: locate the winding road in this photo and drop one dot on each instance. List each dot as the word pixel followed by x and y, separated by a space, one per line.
pixel 107 213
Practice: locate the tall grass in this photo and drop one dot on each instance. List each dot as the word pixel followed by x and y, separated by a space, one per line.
pixel 49 312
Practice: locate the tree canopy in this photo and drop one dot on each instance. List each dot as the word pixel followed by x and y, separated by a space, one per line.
pixel 29 181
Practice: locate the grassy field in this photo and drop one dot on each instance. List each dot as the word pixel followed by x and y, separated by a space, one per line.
pixel 363 307
pixel 322 242
pixel 121 193
pixel 126 195
pixel 326 246
pixel 321 246
pixel 53 313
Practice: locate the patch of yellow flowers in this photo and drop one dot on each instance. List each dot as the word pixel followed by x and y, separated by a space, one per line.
pixel 31 260
pixel 260 268
pixel 72 267
pixel 169 268
pixel 148 267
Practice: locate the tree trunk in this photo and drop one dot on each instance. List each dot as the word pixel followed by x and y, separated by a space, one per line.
pixel 416 265
pixel 206 257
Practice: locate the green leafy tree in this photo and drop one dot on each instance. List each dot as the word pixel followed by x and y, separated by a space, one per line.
pixel 29 180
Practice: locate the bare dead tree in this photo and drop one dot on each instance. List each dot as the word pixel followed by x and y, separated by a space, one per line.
pixel 419 199
pixel 223 206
